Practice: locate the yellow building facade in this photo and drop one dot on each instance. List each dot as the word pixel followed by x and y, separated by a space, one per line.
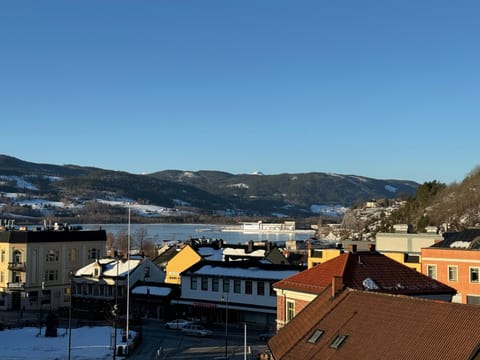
pixel 185 258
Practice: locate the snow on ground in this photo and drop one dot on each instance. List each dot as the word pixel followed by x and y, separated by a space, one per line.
pixel 88 343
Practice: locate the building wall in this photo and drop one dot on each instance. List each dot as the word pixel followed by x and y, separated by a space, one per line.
pixel 463 260
pixel 405 242
pixel 180 262
pixel 400 257
pixel 314 257
pixel 299 299
pixel 43 280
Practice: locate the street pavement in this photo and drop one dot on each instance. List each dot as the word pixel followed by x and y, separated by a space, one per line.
pixel 159 343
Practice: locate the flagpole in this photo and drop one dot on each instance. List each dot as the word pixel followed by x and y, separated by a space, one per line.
pixel 128 278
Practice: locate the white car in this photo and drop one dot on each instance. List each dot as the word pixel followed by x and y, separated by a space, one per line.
pixel 177 324
pixel 196 330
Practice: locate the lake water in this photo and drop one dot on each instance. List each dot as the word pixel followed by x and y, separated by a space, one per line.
pixel 183 232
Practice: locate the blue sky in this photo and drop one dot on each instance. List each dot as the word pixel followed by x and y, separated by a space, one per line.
pixel 383 89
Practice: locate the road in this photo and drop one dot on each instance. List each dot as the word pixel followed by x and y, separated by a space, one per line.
pixel 159 343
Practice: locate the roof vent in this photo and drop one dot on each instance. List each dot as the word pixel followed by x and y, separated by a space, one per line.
pixel 369 284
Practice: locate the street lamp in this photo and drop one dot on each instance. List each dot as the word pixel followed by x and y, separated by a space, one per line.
pixel 70 274
pixel 225 298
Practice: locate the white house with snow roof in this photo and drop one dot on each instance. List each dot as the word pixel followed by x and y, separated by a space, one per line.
pixel 242 289
pixel 97 286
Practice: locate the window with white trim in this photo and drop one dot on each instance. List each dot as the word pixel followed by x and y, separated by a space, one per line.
pixel 452 273
pixel 290 310
pixel 474 274
pixel 432 271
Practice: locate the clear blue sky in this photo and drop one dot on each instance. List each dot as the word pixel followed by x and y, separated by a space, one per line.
pixel 384 89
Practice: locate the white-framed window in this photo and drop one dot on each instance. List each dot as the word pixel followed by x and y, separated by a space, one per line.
pixel 474 275
pixel 215 284
pixel 290 310
pixel 237 286
pixel 204 283
pixel 432 271
pixel 260 288
pixel 193 283
pixel 452 273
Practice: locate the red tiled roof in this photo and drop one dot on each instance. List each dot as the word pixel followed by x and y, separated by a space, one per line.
pixel 380 326
pixel 315 279
pixel 384 274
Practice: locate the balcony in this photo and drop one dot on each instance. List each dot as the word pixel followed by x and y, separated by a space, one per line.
pixel 16 286
pixel 16 266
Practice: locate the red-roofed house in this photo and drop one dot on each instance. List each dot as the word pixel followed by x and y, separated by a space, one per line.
pixel 353 324
pixel 365 270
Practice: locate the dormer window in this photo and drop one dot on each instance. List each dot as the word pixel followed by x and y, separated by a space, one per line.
pixel 96 272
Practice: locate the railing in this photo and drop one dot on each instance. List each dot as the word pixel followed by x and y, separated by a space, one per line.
pixel 20 286
pixel 16 266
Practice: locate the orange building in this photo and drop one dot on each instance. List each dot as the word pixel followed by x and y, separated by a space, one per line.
pixel 455 261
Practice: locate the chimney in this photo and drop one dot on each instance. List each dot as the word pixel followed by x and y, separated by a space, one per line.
pixel 337 285
pixel 249 246
pixel 371 248
pixel 353 248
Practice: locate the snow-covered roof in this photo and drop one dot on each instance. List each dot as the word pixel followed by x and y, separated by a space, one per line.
pixel 460 244
pixel 111 267
pixel 253 272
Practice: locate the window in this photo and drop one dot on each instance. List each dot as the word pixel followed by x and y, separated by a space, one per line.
pixel 204 283
pixel 73 255
pixel 474 275
pixel 96 272
pixel 2 256
pixel 226 285
pixel 51 256
pixel 193 283
pixel 17 257
pixel 432 271
pixel 51 275
pixel 272 292
pixel 215 284
pixel 317 334
pixel 94 253
pixel 452 273
pixel 2 277
pixel 290 310
pixel 237 286
pixel 338 341
pixel 248 286
pixel 260 288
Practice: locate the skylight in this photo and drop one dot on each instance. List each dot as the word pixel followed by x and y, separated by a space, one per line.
pixel 317 334
pixel 338 341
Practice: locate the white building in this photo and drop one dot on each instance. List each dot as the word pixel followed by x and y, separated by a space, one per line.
pixel 235 291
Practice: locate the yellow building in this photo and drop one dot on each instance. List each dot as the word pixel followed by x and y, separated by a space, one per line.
pixel 35 265
pixel 406 247
pixel 184 259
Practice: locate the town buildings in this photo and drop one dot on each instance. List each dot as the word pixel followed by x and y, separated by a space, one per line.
pixel 365 324
pixel 100 285
pixel 35 265
pixel 359 270
pixel 455 261
pixel 233 291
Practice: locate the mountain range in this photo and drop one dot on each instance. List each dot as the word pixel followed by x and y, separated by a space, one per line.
pixel 215 193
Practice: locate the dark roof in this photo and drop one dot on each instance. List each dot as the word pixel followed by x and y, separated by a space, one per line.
pixel 380 326
pixel 365 270
pixel 166 256
pixel 468 239
pixel 22 237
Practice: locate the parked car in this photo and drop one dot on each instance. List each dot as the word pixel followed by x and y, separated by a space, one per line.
pixel 266 336
pixel 196 330
pixel 177 324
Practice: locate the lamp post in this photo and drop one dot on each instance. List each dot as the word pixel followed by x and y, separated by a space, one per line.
pixel 225 298
pixel 70 274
